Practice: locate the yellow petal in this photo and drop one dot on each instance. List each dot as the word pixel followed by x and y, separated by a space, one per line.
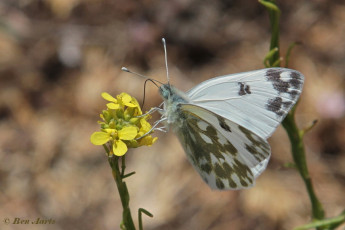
pixel 132 144
pixel 113 106
pixel 109 131
pixel 124 97
pixel 106 116
pixel 134 101
pixel 129 104
pixel 153 141
pixel 99 138
pixel 138 111
pixel 108 97
pixel 145 126
pixel 119 148
pixel 148 140
pixel 127 133
pixel 136 104
pixel 134 120
pixel 133 111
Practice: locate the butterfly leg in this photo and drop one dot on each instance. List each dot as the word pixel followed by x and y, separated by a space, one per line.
pixel 152 110
pixel 154 127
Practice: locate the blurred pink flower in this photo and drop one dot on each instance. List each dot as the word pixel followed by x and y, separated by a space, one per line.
pixel 331 105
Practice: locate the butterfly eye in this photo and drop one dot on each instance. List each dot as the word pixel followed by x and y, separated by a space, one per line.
pixel 163 91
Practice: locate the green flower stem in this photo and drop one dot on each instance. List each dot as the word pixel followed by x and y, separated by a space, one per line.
pixel 295 135
pixel 123 166
pixel 123 192
pixel 127 221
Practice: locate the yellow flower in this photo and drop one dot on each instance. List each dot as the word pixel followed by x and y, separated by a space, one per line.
pixel 127 133
pixel 121 127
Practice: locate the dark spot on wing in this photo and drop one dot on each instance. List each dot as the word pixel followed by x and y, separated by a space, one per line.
pixel 252 149
pixel 220 184
pixel 227 167
pixel 275 106
pixel 241 92
pixel 243 183
pixel 223 124
pixel 219 171
pixel 232 184
pixel 247 89
pixel 295 81
pixel 242 171
pixel 206 167
pixel 244 89
pixel 273 76
pixel 294 94
pixel 231 148
pixel 287 104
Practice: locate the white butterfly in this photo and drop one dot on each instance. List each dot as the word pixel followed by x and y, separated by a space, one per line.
pixel 223 123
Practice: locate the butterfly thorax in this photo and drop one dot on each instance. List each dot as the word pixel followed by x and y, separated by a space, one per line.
pixel 173 99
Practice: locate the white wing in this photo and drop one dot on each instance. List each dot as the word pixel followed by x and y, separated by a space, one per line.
pixel 257 100
pixel 226 155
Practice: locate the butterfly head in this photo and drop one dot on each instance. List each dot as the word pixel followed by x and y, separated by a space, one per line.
pixel 173 98
pixel 170 94
pixel 165 91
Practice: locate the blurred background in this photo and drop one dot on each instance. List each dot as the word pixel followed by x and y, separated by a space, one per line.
pixel 57 56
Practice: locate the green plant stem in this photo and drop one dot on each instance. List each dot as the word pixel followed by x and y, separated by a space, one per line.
pixel 127 221
pixel 331 223
pixel 288 53
pixel 140 211
pixel 298 154
pixel 274 15
pixel 123 192
pixel 295 135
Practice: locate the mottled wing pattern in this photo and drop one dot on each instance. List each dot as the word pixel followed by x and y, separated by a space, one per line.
pixel 226 155
pixel 258 100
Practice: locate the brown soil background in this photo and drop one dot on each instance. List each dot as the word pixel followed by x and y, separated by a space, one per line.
pixel 57 56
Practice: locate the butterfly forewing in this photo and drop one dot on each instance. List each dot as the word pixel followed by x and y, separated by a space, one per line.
pixel 227 156
pixel 257 100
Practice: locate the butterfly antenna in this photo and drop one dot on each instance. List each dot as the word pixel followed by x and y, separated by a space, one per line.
pixel 166 59
pixel 147 79
pixel 140 75
pixel 143 103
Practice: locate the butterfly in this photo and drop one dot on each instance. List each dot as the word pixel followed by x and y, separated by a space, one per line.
pixel 223 123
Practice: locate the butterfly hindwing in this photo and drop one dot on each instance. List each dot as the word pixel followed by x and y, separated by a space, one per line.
pixel 227 156
pixel 258 100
